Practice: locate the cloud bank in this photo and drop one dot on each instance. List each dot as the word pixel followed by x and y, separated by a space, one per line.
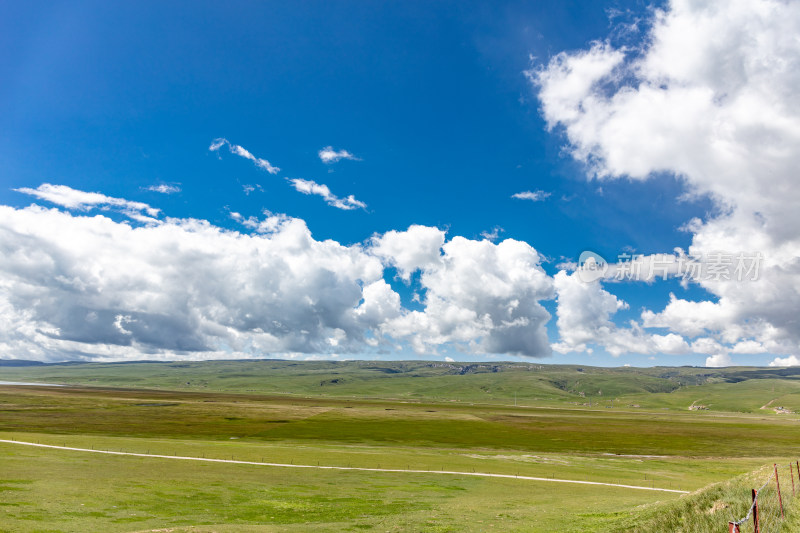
pixel 711 98
pixel 76 286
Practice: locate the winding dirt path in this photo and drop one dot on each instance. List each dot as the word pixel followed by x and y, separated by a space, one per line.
pixel 361 469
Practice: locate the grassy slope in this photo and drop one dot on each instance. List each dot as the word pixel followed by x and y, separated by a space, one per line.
pixel 709 509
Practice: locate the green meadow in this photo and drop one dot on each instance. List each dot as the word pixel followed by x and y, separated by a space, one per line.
pixel 619 426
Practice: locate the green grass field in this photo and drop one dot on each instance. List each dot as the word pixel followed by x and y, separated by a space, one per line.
pixel 621 426
pixel 475 382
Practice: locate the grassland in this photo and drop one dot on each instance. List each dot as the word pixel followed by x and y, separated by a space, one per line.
pixel 727 389
pixel 629 426
pixel 131 494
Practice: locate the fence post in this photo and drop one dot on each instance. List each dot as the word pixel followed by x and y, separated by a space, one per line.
pixel 778 483
pixel 733 527
pixel 755 512
pixel 791 474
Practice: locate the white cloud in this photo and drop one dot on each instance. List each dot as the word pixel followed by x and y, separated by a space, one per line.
pixel 379 303
pixel 449 359
pixel 492 235
pixel 687 317
pixel 319 189
pixel 706 345
pixel 711 98
pixel 719 360
pixel 74 286
pixel 163 188
pixel 670 344
pixel 247 188
pixel 329 155
pixel 84 201
pixel 792 360
pixel 480 295
pixel 584 312
pixel 748 347
pixel 263 164
pixel 534 196
pixel 568 84
pixel 88 285
pixel 417 248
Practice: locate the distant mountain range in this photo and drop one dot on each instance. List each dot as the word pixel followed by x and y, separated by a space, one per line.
pixel 19 362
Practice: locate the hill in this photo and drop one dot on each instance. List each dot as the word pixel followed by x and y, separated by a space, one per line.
pixel 737 389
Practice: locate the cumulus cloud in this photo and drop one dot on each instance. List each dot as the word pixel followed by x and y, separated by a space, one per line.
pixel 164 188
pixel 319 189
pixel 707 345
pixel 533 196
pixel 670 344
pixel 792 360
pixel 417 248
pixel 584 312
pixel 98 287
pixel 263 164
pixel 719 360
pixel 84 201
pixel 479 295
pixel 749 347
pixel 686 317
pixel 75 286
pixel 709 97
pixel 585 316
pixel 329 155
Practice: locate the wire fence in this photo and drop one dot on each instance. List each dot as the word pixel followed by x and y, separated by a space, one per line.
pixel 767 513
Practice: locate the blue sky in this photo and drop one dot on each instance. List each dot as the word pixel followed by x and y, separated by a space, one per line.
pixel 443 107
